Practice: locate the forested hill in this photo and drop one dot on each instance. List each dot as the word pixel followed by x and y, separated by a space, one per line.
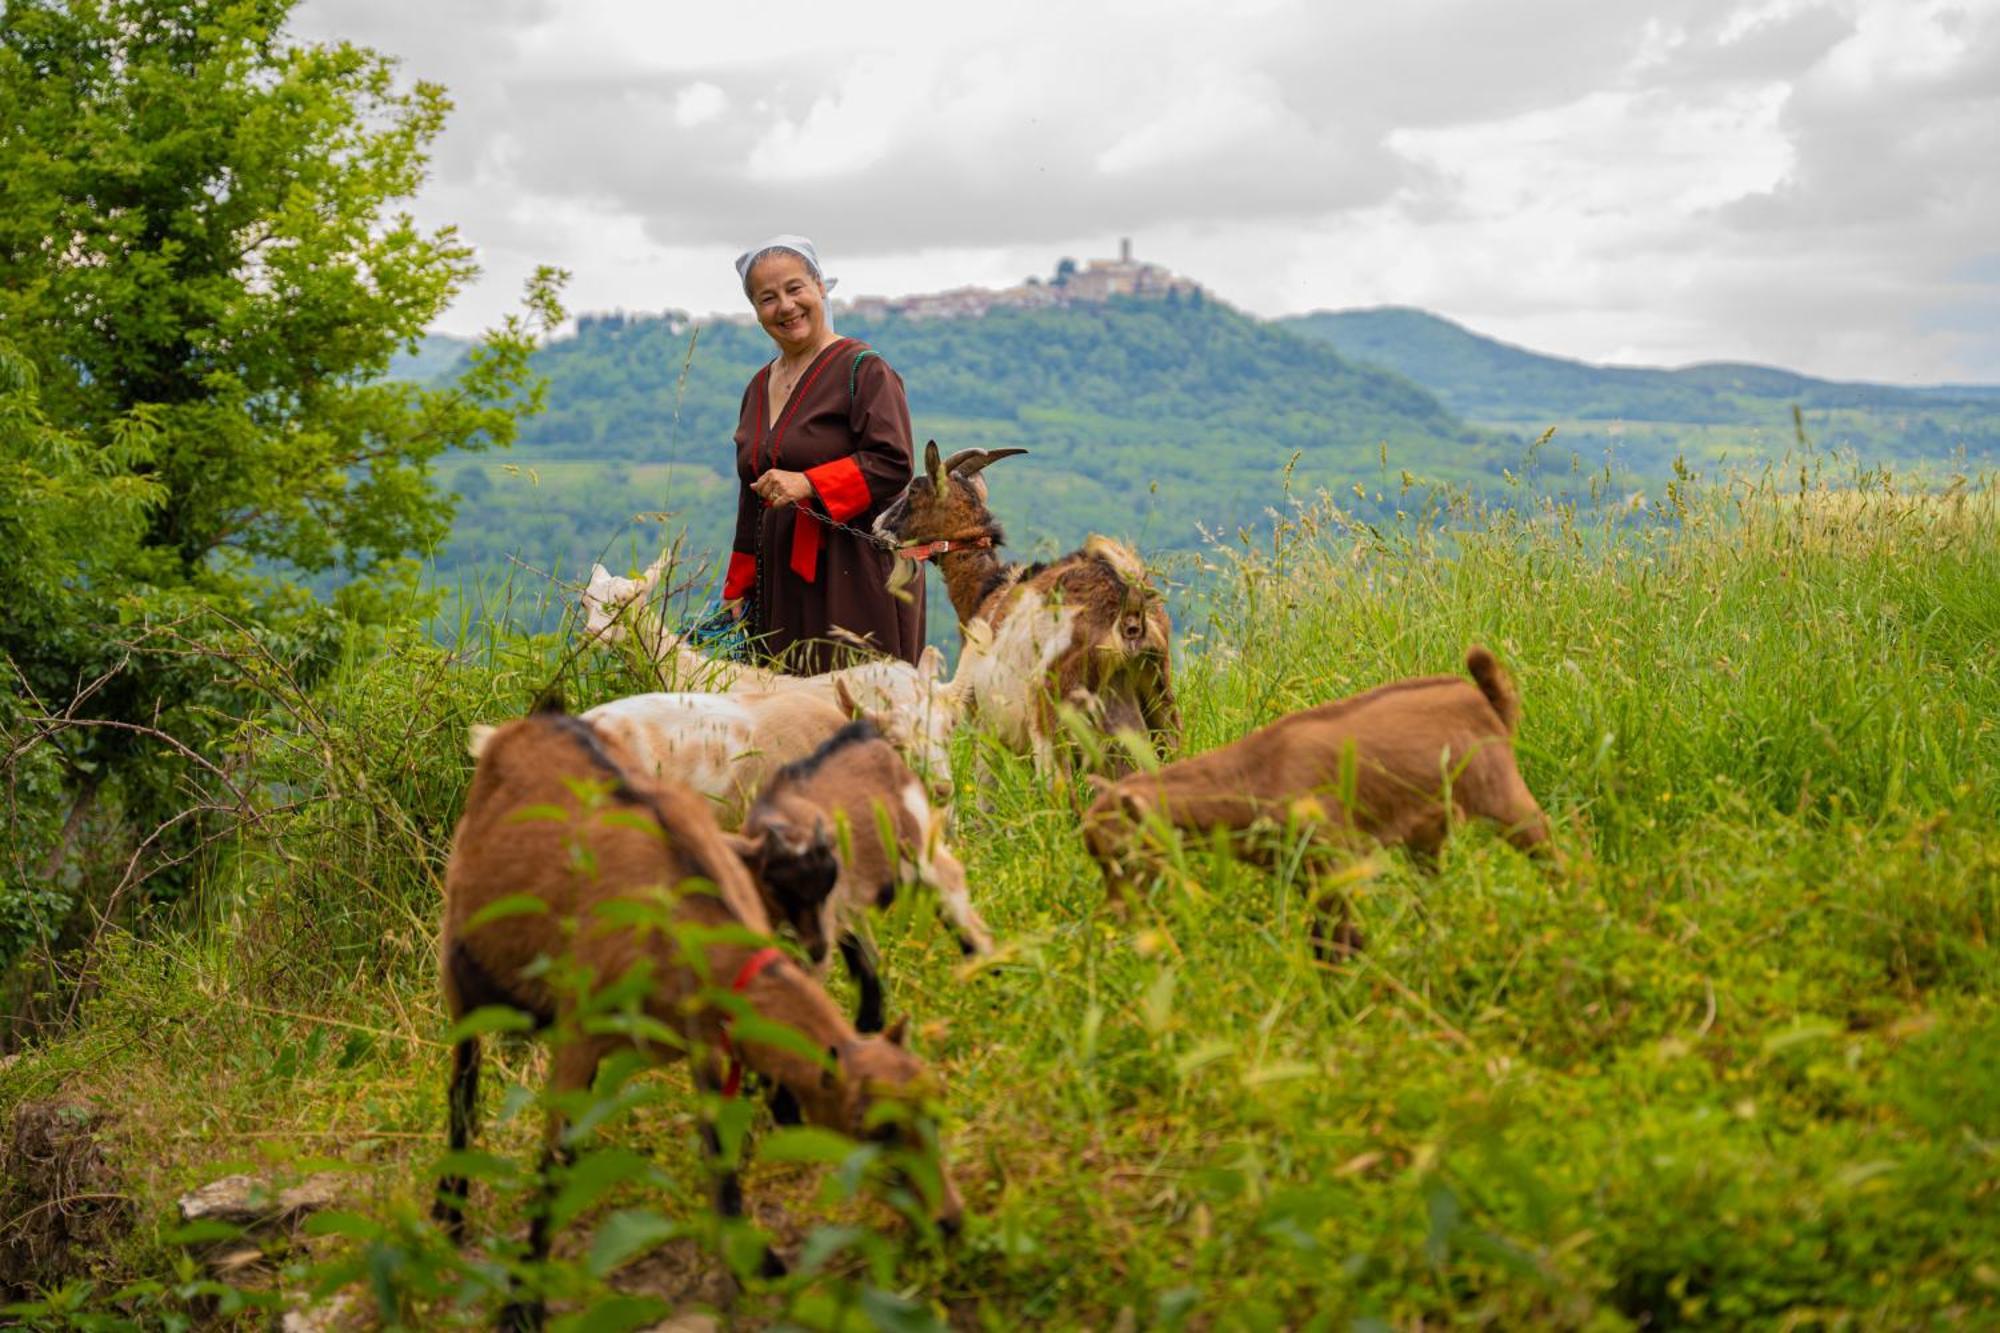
pixel 1699 410
pixel 1145 418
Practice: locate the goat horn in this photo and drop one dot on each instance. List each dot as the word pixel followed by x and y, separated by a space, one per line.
pixel 968 462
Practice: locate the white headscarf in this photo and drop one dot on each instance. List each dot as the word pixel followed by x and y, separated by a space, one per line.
pixel 798 245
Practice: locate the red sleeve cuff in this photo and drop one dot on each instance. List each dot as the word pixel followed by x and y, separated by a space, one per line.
pixel 742 572
pixel 842 488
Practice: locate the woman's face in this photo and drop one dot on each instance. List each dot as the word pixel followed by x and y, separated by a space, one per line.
pixel 788 301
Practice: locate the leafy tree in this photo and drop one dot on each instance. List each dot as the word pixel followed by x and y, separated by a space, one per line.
pixel 202 282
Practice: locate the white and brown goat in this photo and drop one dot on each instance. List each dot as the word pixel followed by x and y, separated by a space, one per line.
pixel 624 841
pixel 616 610
pixel 1088 630
pixel 842 831
pixel 1397 765
pixel 727 746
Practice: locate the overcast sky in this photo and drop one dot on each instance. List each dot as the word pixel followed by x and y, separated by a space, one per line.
pixel 1813 185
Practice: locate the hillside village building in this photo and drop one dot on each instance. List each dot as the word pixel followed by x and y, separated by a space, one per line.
pixel 1096 281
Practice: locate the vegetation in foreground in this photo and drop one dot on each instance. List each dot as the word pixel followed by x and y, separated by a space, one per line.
pixel 1738 1066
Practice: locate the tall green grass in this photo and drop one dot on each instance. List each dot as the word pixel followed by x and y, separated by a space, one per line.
pixel 1738 1064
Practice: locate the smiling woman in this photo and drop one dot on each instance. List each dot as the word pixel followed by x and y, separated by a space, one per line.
pixel 824 435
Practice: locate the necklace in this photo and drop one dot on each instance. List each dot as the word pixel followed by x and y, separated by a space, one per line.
pixel 785 377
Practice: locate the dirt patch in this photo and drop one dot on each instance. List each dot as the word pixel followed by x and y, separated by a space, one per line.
pixel 62 1203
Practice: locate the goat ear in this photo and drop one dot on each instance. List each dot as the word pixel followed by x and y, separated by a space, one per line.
pixel 898 1032
pixel 476 739
pixel 930 663
pixel 844 697
pixel 1136 807
pixel 598 573
pixel 932 466
pixel 654 570
pixel 750 851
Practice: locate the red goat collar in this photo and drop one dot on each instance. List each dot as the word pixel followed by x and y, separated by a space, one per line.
pixel 753 966
pixel 925 550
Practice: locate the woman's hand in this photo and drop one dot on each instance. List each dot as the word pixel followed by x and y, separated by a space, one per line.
pixel 778 488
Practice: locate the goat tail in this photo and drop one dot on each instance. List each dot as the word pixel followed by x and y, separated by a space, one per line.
pixel 1495 684
pixel 463 1098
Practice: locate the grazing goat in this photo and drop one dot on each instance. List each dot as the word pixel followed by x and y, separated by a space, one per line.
pixel 615 608
pixel 632 842
pixel 1397 765
pixel 854 792
pixel 1088 630
pixel 724 746
pixel 926 708
pixel 727 746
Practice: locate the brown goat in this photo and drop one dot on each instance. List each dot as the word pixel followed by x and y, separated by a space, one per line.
pixel 1088 630
pixel 790 840
pixel 1396 765
pixel 558 815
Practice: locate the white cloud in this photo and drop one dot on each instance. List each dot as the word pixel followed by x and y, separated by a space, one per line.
pixel 698 104
pixel 1800 181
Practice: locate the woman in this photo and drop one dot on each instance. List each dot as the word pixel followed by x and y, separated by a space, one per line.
pixel 824 434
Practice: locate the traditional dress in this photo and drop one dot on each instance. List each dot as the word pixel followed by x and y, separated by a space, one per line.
pixel 847 428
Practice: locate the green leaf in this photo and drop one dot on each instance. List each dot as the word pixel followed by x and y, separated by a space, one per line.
pixel 591 1177
pixel 203 1232
pixel 894 1314
pixel 757 1030
pixel 806 1143
pixel 823 1243
pixel 541 812
pixel 475 1165
pixel 615 1314
pixel 625 1233
pixel 489 1018
pixel 337 1223
pixel 514 904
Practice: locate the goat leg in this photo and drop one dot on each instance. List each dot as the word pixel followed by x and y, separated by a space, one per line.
pixel 463 1099
pixel 859 957
pixel 574 1066
pixel 729 1195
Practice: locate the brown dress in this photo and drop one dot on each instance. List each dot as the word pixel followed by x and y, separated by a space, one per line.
pixel 847 428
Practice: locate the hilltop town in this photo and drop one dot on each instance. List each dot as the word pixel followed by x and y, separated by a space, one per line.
pixel 1094 281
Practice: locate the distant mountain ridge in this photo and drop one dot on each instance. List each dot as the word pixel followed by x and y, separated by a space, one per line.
pixel 1152 417
pixel 1487 379
pixel 1146 417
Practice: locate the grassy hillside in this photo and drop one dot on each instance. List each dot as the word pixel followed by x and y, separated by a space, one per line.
pixel 1737 1066
pixel 1706 412
pixel 1146 419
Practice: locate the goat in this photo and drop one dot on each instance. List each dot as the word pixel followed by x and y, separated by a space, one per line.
pixel 1087 630
pixel 1397 765
pixel 857 785
pixel 724 746
pixel 643 843
pixel 615 608
pixel 925 708
pixel 727 746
